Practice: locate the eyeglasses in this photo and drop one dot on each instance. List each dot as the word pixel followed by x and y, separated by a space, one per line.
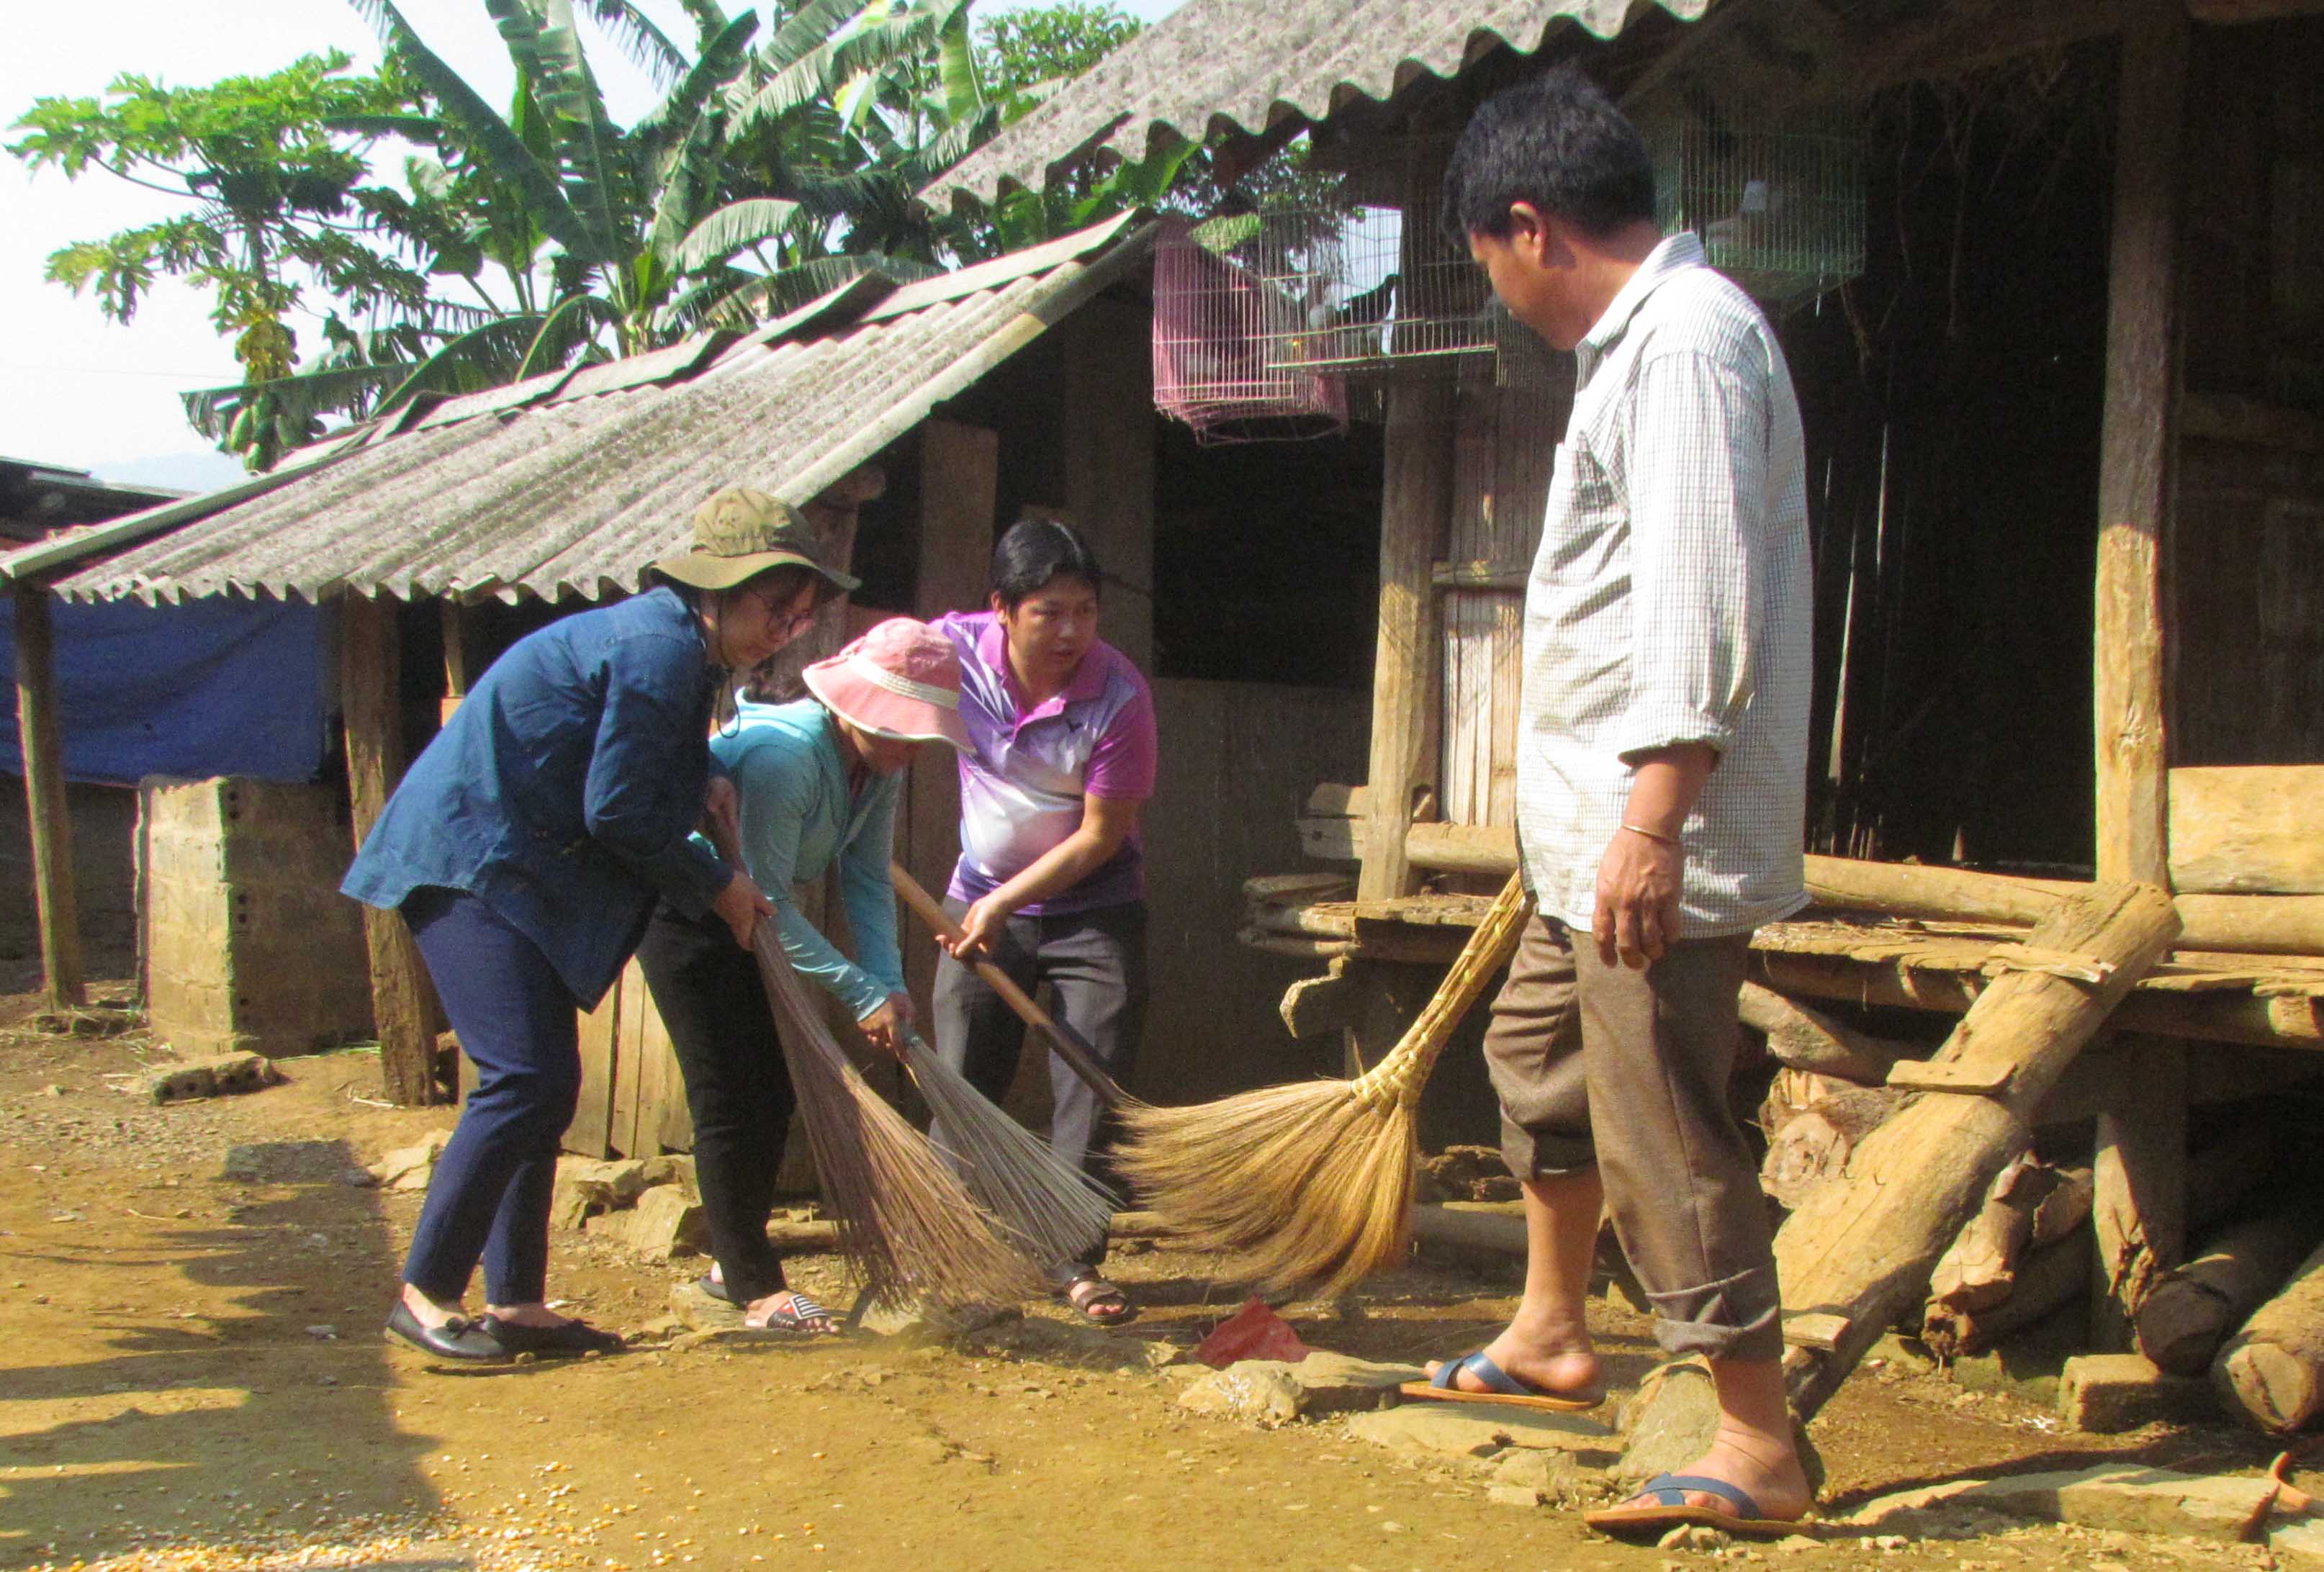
pixel 782 625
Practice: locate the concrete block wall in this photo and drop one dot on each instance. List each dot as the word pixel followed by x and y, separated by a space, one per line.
pixel 249 946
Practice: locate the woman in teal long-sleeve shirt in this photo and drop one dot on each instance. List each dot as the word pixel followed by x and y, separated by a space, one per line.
pixel 815 786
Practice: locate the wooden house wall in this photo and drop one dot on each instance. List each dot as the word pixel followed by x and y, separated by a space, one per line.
pixel 1951 398
pixel 1505 444
pixel 2247 565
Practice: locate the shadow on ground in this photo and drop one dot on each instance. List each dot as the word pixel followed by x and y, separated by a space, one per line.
pixel 213 1373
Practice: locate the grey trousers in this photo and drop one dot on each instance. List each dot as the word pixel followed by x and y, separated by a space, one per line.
pixel 1095 961
pixel 1628 1070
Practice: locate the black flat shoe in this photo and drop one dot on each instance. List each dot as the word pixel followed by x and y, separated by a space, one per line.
pixel 568 1341
pixel 457 1339
pixel 715 1289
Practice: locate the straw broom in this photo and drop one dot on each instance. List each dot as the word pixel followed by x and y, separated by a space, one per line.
pixel 1311 1184
pixel 906 1222
pixel 1047 1209
pixel 1076 1211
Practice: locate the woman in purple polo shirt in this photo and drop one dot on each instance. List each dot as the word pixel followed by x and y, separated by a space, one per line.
pixel 1051 882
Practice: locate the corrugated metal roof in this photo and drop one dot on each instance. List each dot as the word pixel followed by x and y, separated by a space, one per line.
pixel 1249 63
pixel 569 492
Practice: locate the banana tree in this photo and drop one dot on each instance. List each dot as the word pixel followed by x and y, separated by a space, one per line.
pixel 771 171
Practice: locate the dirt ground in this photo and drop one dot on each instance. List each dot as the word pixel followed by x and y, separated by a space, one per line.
pixel 192 1374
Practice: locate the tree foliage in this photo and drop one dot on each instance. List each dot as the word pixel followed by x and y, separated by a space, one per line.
pixel 1022 52
pixel 440 243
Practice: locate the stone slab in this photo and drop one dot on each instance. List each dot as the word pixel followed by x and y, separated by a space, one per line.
pixel 2126 1497
pixel 2303 1540
pixel 1448 1429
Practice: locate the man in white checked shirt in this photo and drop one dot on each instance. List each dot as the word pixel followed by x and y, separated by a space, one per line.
pixel 1661 785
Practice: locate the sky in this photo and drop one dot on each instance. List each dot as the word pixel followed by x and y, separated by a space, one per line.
pixel 79 391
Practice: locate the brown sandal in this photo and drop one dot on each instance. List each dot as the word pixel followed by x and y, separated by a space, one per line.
pixel 1100 1302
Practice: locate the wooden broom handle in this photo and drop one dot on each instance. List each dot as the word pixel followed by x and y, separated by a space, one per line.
pixel 1404 1070
pixel 1071 1046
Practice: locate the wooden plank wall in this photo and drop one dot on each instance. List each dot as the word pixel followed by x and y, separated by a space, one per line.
pixel 2247 541
pixel 2247 572
pixel 1505 445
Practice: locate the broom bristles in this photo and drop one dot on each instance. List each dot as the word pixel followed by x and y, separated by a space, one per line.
pixel 1050 1211
pixel 1312 1184
pixel 1299 1186
pixel 905 1224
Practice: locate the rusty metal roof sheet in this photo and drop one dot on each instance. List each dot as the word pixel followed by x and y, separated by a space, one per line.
pixel 569 491
pixel 1250 64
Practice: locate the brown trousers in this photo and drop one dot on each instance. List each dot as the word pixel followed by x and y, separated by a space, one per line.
pixel 1628 1070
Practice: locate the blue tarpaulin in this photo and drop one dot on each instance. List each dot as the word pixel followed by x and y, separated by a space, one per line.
pixel 223 686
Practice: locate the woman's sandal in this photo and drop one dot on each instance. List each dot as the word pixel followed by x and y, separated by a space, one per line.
pixel 803 1316
pixel 1099 1301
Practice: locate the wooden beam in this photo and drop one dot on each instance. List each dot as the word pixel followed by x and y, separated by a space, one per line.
pixel 370 707
pixel 2286 924
pixel 2251 830
pixel 2209 1017
pixel 959 484
pixel 40 731
pixel 1862 1246
pixel 1406 689
pixel 1109 441
pixel 2134 468
pixel 2138 1180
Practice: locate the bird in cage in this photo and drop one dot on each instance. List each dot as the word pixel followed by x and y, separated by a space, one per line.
pixel 1370 308
pixel 1746 224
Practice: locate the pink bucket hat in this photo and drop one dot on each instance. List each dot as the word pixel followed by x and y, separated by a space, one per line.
pixel 900 679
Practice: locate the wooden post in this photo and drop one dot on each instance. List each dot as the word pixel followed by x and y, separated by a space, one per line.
pixel 1861 1250
pixel 2138 1211
pixel 1416 501
pixel 1109 461
pixel 40 731
pixel 2133 459
pixel 459 658
pixel 369 705
pixel 960 481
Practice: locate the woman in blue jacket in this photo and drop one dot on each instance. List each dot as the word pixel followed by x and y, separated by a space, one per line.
pixel 527 847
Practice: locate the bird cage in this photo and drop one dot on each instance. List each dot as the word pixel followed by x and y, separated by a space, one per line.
pixel 1373 285
pixel 1324 278
pixel 1216 323
pixel 1776 195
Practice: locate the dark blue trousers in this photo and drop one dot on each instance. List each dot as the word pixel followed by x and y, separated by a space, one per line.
pixel 518 1023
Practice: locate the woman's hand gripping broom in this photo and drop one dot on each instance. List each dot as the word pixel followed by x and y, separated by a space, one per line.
pixel 1311 1185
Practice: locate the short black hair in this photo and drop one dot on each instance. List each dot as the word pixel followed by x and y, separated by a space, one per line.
pixel 1558 143
pixel 1033 552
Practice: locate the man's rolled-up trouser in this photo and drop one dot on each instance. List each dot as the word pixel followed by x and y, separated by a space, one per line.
pixel 1628 1070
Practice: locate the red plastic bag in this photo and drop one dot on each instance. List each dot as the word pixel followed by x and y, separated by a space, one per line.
pixel 1252 1332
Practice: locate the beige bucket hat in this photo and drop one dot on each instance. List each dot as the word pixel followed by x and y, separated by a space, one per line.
pixel 739 533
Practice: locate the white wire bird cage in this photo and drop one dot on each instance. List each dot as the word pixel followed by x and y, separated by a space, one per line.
pixel 1296 294
pixel 1214 320
pixel 1777 194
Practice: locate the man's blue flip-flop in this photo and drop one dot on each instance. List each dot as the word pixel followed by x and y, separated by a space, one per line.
pixel 1501 1388
pixel 1667 1493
